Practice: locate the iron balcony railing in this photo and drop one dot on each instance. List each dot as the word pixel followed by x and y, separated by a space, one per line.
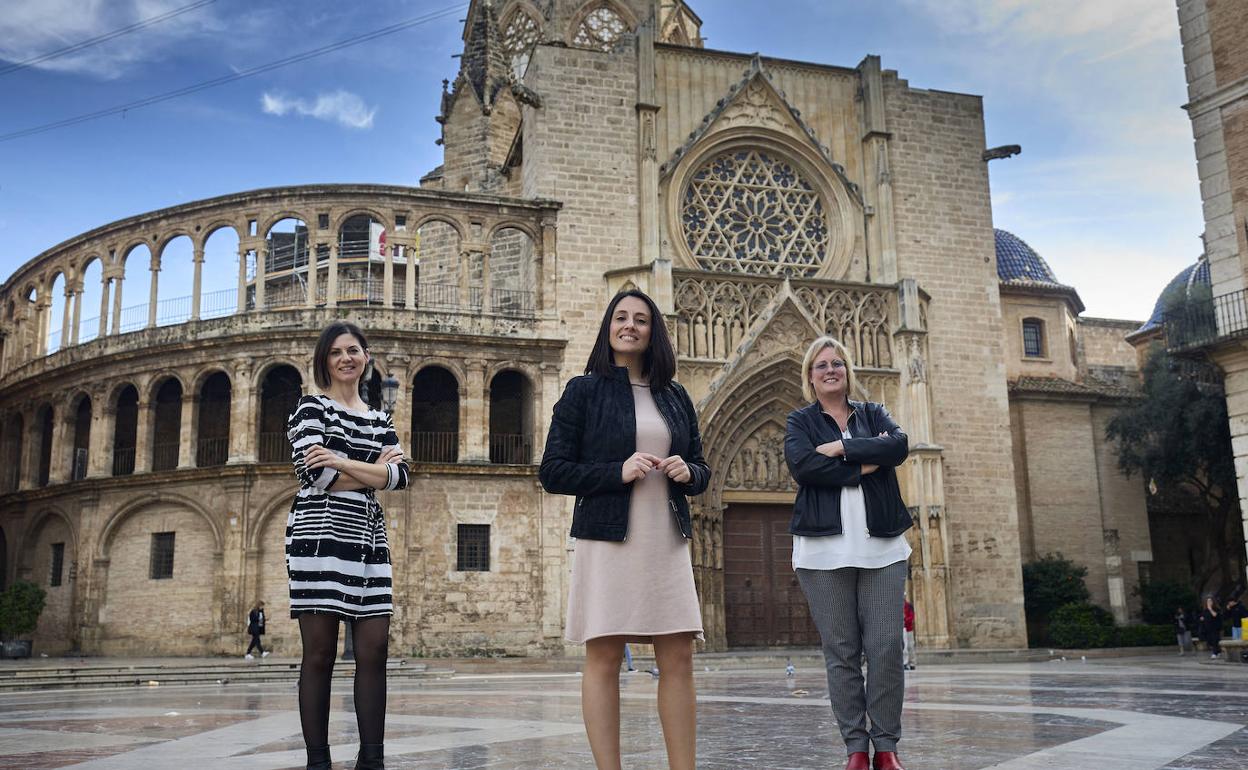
pixel 79 470
pixel 1206 321
pixel 274 447
pixel 212 452
pixel 164 455
pixel 123 460
pixel 510 449
pixel 431 447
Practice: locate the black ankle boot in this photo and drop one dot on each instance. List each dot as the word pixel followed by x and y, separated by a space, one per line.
pixel 370 757
pixel 318 759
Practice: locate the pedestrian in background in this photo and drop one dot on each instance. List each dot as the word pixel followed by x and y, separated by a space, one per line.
pixel 1235 614
pixel 1211 627
pixel 908 617
pixel 1183 625
pixel 255 627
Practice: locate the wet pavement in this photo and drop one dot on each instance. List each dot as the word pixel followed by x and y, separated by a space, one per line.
pixel 1118 714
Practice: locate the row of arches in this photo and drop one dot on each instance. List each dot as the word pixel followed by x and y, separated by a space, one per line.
pixel 291 266
pixel 175 424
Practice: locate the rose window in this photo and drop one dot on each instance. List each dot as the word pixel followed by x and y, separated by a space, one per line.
pixel 600 30
pixel 748 211
pixel 520 34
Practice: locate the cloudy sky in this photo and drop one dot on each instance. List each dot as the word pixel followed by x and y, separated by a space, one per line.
pixel 1105 188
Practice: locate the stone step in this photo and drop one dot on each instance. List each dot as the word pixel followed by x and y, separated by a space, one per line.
pixel 63 677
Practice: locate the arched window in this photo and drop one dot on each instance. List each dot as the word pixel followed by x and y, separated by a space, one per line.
pixel 13 446
pixel 45 419
pixel 511 418
pixel 520 33
pixel 749 210
pixel 362 259
pixel 125 431
pixel 213 426
pixel 1034 343
pixel 435 416
pixel 167 425
pixel 82 440
pixel 279 393
pixel 286 264
pixel 600 29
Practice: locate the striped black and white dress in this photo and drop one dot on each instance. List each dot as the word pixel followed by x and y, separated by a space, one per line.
pixel 337 555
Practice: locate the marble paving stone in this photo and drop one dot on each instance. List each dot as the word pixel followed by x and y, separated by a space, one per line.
pixel 1139 714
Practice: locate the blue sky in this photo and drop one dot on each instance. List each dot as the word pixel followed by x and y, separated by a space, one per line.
pixel 1105 188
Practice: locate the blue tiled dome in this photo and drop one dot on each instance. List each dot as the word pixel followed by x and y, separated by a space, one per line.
pixel 1019 263
pixel 1190 276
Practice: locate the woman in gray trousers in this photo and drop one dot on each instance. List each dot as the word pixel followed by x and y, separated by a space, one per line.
pixel 849 551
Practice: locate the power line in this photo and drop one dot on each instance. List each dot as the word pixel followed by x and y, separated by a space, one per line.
pixel 246 73
pixel 74 48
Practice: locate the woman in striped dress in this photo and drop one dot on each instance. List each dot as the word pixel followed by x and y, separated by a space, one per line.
pixel 336 550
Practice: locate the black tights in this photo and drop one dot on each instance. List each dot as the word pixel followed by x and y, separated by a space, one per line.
pixel 320 646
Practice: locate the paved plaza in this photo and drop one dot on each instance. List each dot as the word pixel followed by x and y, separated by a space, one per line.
pixel 1117 714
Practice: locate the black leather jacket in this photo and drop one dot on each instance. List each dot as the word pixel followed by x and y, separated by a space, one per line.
pixel 817 510
pixel 592 433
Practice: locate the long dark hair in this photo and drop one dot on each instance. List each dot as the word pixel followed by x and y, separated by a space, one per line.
pixel 659 360
pixel 320 356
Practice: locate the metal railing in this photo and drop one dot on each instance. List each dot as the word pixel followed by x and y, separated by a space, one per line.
pixel 123 460
pixel 510 449
pixel 274 447
pixel 165 456
pixel 429 447
pixel 212 452
pixel 1200 322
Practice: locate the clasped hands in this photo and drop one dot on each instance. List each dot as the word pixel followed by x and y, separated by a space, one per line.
pixel 837 449
pixel 641 463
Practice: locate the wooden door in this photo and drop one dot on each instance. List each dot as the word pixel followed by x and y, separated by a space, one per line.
pixel 763 604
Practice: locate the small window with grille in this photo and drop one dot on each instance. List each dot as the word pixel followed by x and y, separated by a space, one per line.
pixel 473 549
pixel 1033 338
pixel 58 565
pixel 162 555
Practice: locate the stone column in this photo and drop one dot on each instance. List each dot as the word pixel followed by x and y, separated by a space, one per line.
pixel 77 315
pixel 144 435
pixel 554 541
pixel 67 318
pixel 58 471
pixel 409 281
pixel 487 300
pixel 473 416
pixel 387 278
pixel 242 416
pixel 547 301
pixel 118 281
pixel 402 413
pixel 313 274
pixel 197 282
pixel 100 443
pixel 647 147
pixel 30 450
pixel 331 282
pixel 262 268
pixel 43 323
pixel 103 319
pixel 186 433
pixel 881 235
pixel 153 297
pixel 242 279
pixel 465 274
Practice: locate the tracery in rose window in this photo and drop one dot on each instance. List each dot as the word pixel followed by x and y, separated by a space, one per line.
pixel 752 211
pixel 520 34
pixel 600 29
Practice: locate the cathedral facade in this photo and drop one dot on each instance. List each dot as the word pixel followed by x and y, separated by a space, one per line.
pixel 588 147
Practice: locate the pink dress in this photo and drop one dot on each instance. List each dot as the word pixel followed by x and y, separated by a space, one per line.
pixel 641 587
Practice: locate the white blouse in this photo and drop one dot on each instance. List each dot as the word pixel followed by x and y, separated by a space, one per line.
pixel 855 547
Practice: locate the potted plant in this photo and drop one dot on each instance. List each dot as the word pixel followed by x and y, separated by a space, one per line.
pixel 20 605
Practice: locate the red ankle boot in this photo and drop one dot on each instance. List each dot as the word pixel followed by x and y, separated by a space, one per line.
pixel 858 761
pixel 886 760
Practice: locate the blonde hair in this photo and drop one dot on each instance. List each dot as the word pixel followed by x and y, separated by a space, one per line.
pixel 808 361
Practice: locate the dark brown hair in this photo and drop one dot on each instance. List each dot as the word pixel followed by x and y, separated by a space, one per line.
pixel 659 360
pixel 320 356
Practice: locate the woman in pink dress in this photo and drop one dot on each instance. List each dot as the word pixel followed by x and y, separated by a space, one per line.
pixel 624 440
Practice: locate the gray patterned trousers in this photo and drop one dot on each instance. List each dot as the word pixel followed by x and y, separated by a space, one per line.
pixel 859 611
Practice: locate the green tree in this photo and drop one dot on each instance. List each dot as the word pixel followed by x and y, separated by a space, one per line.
pixel 20 605
pixel 1050 582
pixel 1177 436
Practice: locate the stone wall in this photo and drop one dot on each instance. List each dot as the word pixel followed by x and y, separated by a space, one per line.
pixel 944 239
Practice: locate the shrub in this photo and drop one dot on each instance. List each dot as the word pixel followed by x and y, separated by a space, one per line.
pixel 1050 582
pixel 20 605
pixel 1144 636
pixel 1081 626
pixel 1159 600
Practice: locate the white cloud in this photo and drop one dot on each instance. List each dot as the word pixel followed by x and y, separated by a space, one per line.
pixel 342 107
pixel 31 28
